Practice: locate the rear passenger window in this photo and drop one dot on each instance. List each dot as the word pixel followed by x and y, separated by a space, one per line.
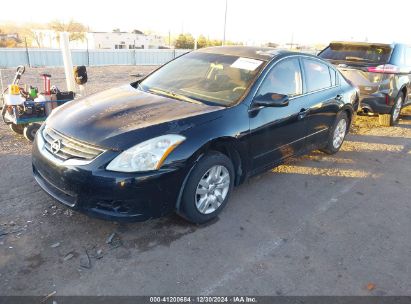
pixel 317 75
pixel 333 76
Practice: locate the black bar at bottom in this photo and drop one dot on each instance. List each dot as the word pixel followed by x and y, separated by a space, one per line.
pixel 206 299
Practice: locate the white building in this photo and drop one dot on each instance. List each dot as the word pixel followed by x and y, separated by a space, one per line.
pixel 123 40
pixel 100 40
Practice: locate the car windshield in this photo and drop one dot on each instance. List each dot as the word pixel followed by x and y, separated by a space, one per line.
pixel 353 52
pixel 204 77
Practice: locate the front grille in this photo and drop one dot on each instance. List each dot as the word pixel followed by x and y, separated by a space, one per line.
pixel 69 147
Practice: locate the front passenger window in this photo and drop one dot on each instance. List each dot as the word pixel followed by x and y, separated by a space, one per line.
pixel 284 78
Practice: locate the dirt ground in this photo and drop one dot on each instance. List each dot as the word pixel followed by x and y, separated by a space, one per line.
pixel 319 225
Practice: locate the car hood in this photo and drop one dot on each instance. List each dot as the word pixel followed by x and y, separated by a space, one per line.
pixel 112 118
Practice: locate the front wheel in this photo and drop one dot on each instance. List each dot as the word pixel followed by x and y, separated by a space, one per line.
pixel 17 128
pixel 30 131
pixel 337 135
pixel 208 188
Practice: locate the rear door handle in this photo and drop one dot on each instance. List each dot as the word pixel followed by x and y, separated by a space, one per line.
pixel 303 113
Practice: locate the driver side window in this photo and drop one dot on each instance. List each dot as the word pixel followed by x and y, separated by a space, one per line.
pixel 284 78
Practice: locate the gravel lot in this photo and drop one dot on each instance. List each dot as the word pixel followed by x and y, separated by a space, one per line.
pixel 320 225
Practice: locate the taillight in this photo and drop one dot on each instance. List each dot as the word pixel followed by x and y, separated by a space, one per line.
pixel 384 68
pixel 387 99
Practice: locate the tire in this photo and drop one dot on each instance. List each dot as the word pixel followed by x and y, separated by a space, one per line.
pixel 334 145
pixel 30 131
pixel 199 203
pixel 384 120
pixel 17 128
pixel 395 112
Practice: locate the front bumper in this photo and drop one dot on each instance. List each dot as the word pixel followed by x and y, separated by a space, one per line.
pixel 91 189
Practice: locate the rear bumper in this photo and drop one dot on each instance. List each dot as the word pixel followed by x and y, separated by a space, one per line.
pixel 375 103
pixel 109 195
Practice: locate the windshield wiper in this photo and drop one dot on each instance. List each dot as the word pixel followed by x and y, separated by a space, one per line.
pixel 173 95
pixel 357 58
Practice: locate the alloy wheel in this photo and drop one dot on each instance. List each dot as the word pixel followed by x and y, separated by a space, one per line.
pixel 212 189
pixel 339 133
pixel 397 109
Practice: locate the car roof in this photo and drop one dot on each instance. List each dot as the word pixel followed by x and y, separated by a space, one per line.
pixel 260 53
pixel 366 43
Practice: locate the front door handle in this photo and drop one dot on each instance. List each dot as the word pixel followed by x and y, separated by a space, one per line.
pixel 303 113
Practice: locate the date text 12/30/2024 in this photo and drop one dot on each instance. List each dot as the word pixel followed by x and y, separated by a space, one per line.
pixel 204 299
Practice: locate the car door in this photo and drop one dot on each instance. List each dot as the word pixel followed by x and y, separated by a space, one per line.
pixel 323 99
pixel 278 132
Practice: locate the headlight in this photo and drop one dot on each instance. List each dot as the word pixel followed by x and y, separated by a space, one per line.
pixel 146 156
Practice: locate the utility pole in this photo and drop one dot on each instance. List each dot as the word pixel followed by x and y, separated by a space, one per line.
pixel 68 63
pixel 88 53
pixel 225 21
pixel 27 52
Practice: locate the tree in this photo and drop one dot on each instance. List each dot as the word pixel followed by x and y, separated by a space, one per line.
pixel 116 30
pixel 75 29
pixel 137 32
pixel 201 42
pixel 35 37
pixel 184 41
pixel 25 33
pixel 11 43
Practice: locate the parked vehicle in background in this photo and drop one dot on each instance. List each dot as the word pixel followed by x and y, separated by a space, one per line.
pixel 184 136
pixel 382 72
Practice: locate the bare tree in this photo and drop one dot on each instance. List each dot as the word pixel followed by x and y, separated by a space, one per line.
pixel 75 29
pixel 36 37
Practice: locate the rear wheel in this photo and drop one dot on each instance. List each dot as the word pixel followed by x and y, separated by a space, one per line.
pixel 208 188
pixel 388 120
pixel 337 135
pixel 396 109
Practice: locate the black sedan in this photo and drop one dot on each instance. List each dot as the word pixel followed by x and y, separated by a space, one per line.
pixel 181 138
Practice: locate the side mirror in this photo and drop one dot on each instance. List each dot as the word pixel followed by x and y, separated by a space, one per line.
pixel 271 100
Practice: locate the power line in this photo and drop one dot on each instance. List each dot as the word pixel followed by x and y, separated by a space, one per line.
pixel 225 21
